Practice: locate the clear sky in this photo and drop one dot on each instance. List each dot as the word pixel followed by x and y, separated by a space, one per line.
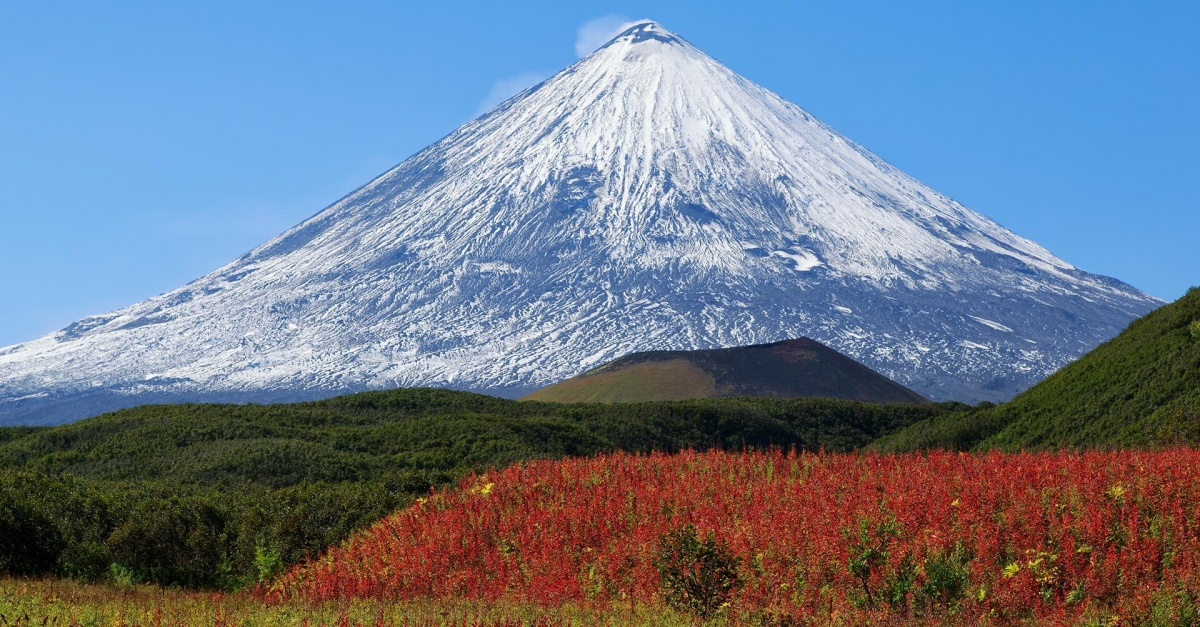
pixel 143 145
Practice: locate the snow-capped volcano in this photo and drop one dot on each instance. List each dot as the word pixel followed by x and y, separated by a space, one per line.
pixel 645 198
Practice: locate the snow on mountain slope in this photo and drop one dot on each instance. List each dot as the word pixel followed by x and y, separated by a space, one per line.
pixel 645 198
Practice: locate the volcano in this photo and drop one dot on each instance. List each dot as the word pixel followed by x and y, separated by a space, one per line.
pixel 644 198
pixel 789 369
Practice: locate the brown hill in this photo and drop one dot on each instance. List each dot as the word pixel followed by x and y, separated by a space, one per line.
pixel 787 369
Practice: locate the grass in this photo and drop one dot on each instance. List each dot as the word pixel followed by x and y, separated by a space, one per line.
pixel 798 368
pixel 66 603
pixel 671 380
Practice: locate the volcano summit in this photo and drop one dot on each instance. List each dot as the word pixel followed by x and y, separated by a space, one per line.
pixel 644 198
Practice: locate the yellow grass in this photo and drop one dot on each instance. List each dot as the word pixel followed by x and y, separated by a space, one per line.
pixel 64 603
pixel 671 380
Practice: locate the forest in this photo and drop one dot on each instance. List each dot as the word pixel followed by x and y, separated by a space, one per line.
pixel 224 496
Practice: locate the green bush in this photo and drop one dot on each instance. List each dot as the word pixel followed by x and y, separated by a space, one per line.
pixel 172 543
pixel 697 575
pixel 30 543
pixel 299 522
pixel 268 561
pixel 870 550
pixel 947 576
pixel 1172 608
pixel 1195 329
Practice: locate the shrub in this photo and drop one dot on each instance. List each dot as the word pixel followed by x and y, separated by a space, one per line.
pixel 996 539
pixel 267 561
pixel 1195 329
pixel 1172 608
pixel 870 550
pixel 171 543
pixel 946 577
pixel 30 544
pixel 697 575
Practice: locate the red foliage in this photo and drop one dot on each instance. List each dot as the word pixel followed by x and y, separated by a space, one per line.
pixel 1048 537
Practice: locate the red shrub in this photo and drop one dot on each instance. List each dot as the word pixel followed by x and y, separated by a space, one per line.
pixel 1050 537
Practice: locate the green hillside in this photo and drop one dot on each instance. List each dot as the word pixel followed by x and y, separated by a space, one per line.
pixel 222 495
pixel 1142 388
pixel 376 434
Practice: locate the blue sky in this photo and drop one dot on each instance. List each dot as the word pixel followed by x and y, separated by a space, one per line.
pixel 143 145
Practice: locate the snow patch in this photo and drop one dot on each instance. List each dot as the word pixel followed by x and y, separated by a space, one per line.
pixel 803 259
pixel 990 323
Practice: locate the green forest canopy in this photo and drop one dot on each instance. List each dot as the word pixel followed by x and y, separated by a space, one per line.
pixel 223 495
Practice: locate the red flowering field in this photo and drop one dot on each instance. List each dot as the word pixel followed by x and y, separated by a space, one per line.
pixel 1050 538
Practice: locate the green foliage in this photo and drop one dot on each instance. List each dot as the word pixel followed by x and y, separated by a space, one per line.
pixel 10 434
pixel 870 551
pixel 268 561
pixel 955 431
pixel 415 434
pixel 935 586
pixel 900 582
pixel 171 533
pixel 29 540
pixel 211 496
pixel 1142 388
pixel 947 576
pixel 122 577
pixel 1173 609
pixel 172 542
pixel 697 574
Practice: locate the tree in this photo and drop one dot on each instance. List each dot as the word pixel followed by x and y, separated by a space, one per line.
pixel 697 575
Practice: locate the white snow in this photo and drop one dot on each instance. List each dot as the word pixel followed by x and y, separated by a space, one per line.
pixel 991 323
pixel 642 198
pixel 803 259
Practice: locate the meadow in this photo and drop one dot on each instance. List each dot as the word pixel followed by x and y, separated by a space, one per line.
pixel 1084 538
pixel 67 603
pixel 753 538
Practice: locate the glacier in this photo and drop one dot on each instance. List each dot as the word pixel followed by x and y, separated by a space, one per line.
pixel 644 198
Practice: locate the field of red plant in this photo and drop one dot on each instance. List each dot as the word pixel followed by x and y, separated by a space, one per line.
pixel 1052 538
